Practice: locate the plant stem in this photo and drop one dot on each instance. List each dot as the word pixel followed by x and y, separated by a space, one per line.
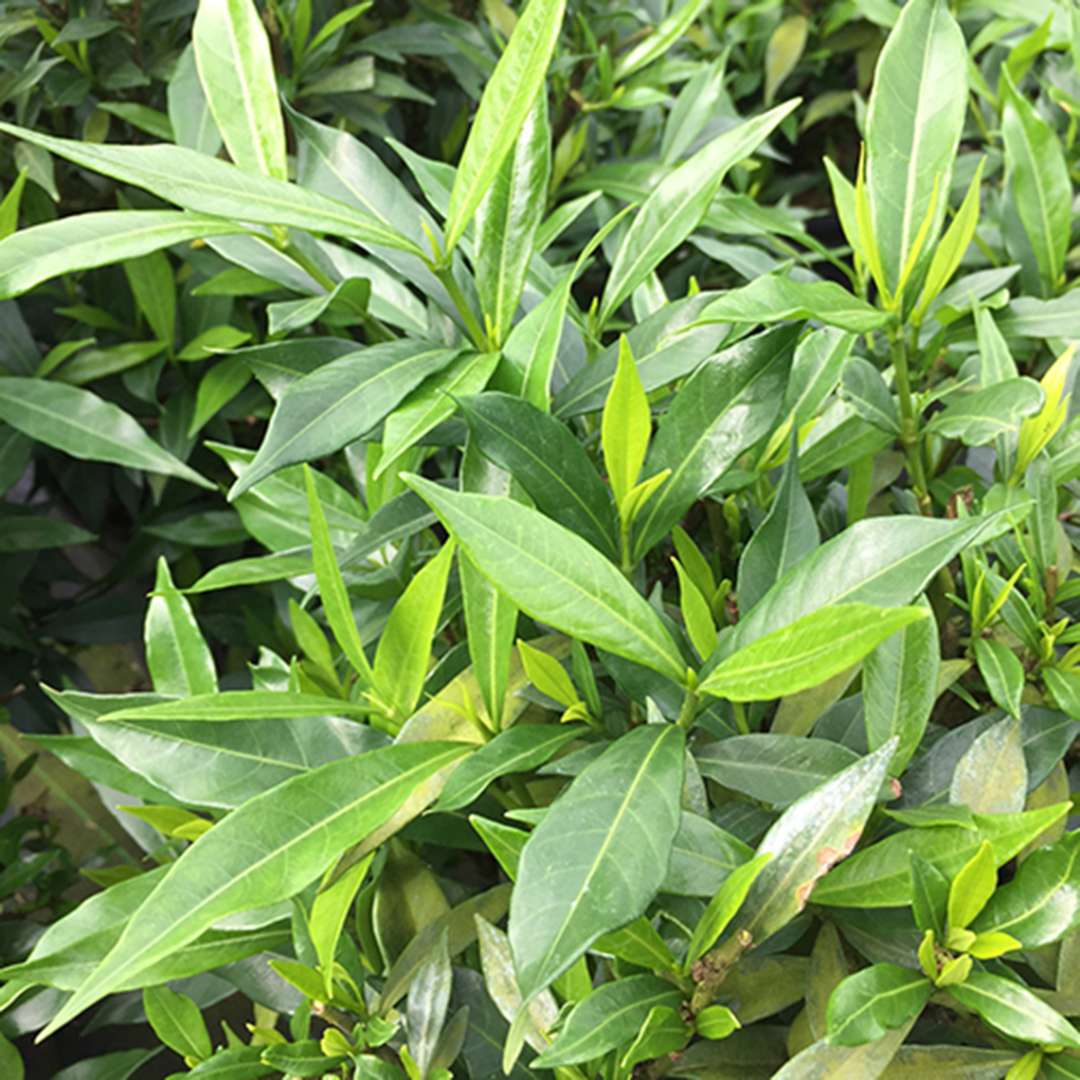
pixel 445 274
pixel 909 422
pixel 711 970
pixel 689 707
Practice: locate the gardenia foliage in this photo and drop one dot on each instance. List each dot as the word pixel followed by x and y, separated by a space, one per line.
pixel 659 608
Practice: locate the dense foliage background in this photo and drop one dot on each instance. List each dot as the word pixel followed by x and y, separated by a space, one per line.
pixel 539 539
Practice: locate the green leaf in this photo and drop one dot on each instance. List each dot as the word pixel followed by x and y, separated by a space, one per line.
pixel 240 705
pixel 949 1063
pixel 659 40
pixel 703 856
pixel 775 769
pixel 547 674
pixel 774 298
pixel 525 555
pixel 1039 185
pixel 177 1021
pixel 265 851
pixel 623 813
pixel 608 1018
pixel 207 185
pixel 979 417
pixel 809 837
pixel 679 202
pixel 85 426
pixel 663 1032
pixel 806 652
pixel 177 657
pixel 548 461
pixel 429 999
pixel 929 896
pixel 1041 904
pixel 880 876
pixel 520 749
pixel 504 109
pixel 725 407
pixel 785 47
pixel 232 55
pixel 992 777
pixel 404 651
pixel 340 402
pixel 84 241
pixel 723 907
pixel 876 1000
pixel 972 888
pixel 625 428
pixel 329 910
pixel 899 683
pixel 507 219
pixel 863 386
pixel 824 1061
pixel 1002 671
pixel 11 1061
pixel 788 533
pixel 697 616
pixel 913 128
pixel 1012 1008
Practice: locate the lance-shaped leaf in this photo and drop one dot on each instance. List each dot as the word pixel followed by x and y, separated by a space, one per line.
pixel 726 406
pixel 1012 1008
pixel 526 556
pixel 543 455
pixel 339 402
pixel 85 426
pixel 240 705
pixel 774 298
pixel 807 652
pixel 209 186
pixel 885 561
pixel 40 252
pixel 609 1017
pixel 678 204
pixel 177 1021
pixel 232 56
pixel 262 853
pixel 508 97
pixel 622 812
pixel 913 127
pixel 880 876
pixel 978 418
pixel 177 656
pixel 507 219
pixel 1042 902
pixel 876 1000
pixel 810 836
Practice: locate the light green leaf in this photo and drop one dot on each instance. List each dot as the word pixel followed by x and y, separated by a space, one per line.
pixel 875 1000
pixel 1012 1008
pixel 625 428
pixel 971 888
pixel 328 912
pixel 1002 671
pixel 265 851
pixel 806 652
pixel 525 555
pixel 661 38
pixel 514 85
pixel 177 656
pixel 177 1021
pixel 240 705
pixel 85 426
pixel 723 907
pixel 623 812
pixel 979 417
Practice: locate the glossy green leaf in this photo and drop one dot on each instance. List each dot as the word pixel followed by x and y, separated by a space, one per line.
pixel 239 705
pixel 404 651
pixel 524 553
pixel 429 999
pixel 623 813
pixel 1012 1008
pixel 548 461
pixel 875 1000
pixel 979 417
pixel 626 426
pixel 913 127
pixel 85 426
pixel 703 857
pixel 723 907
pixel 697 616
pixel 504 109
pixel 1002 671
pixel 1042 902
pixel 263 852
pixel 1039 184
pixel 520 749
pixel 899 683
pixel 340 402
pixel 665 34
pixel 232 56
pixel 806 652
pixel 608 1018
pixel 507 219
pixel 329 910
pixel 810 836
pixel 929 896
pixel 776 769
pixel 82 242
pixel 177 656
pixel 992 777
pixel 11 1060
pixel 177 1021
pixel 725 407
pixel 973 885
pixel 663 1032
pixel 679 202
pixel 207 185
pixel 880 875
pixel 773 298
pixel 785 47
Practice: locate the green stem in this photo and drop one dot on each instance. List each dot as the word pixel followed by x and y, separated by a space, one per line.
pixel 711 970
pixel 909 422
pixel 741 722
pixel 445 274
pixel 689 707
